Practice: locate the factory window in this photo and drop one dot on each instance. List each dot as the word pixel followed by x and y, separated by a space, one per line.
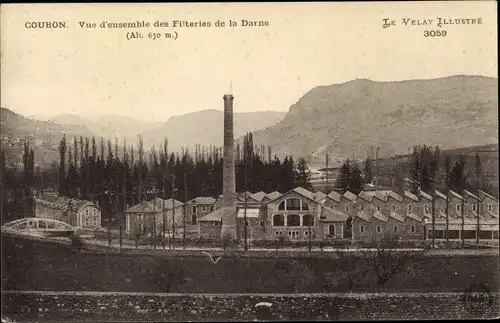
pixel 362 208
pixel 474 207
pixel 458 207
pixel 409 208
pixel 305 206
pixel 395 228
pixel 293 204
pixel 378 207
pixel 490 207
pixel 306 233
pixel 361 229
pixel 194 209
pixel 426 209
pixel 211 208
pixel 331 230
pixel 281 207
pixel 278 220
pixel 248 223
pixel 203 208
pixel 261 223
pixel 293 220
pixel 379 229
pixel 412 229
pixel 394 207
pixel 308 220
pixel 346 208
pixel 86 211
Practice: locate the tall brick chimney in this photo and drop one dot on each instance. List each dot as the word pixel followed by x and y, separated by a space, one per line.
pixel 228 174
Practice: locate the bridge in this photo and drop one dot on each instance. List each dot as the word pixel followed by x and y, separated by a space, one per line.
pixel 39 227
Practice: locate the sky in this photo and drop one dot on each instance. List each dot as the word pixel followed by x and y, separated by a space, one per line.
pixel 98 71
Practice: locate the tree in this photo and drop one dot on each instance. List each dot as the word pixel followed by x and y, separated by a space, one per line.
pixel 425 180
pixel 415 173
pixel 62 172
pixel 355 180
pixel 367 173
pixel 342 181
pixel 303 177
pixel 387 262
pixel 349 268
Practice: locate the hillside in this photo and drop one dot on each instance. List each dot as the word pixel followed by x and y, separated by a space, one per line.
pixel 47 135
pixel 205 128
pixel 344 119
pixel 108 126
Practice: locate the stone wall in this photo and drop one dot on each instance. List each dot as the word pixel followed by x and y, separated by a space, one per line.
pixel 93 307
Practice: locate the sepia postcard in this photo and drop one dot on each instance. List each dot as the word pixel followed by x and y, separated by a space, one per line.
pixel 249 161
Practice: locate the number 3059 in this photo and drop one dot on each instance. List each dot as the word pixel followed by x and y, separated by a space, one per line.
pixel 435 33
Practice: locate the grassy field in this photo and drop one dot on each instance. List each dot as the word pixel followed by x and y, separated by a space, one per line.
pixel 29 265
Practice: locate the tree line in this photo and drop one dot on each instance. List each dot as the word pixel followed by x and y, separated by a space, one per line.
pixel 117 177
pixel 429 169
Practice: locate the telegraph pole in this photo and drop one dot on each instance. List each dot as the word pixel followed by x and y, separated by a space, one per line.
pixel 245 210
pixel 433 218
pixel 154 217
pixel 185 210
pixel 163 210
pixel 326 173
pixel 109 217
pixel 172 240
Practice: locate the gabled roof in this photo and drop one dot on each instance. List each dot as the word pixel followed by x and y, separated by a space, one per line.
pixel 482 195
pixel 380 216
pixel 320 195
pixel 301 191
pixel 440 195
pixel 398 216
pixel 381 195
pixel 306 193
pixel 202 200
pixel 395 196
pixel 469 194
pixel 144 206
pixel 425 195
pixel 367 196
pixel 249 197
pixel 55 201
pixel 415 216
pixel 259 196
pixel 334 196
pixel 350 196
pixel 364 216
pixel 157 204
pixel 455 194
pixel 214 216
pixel 492 214
pixel 411 196
pixel 273 195
pixel 332 215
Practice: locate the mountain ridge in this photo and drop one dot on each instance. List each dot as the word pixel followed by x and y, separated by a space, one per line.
pixel 415 111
